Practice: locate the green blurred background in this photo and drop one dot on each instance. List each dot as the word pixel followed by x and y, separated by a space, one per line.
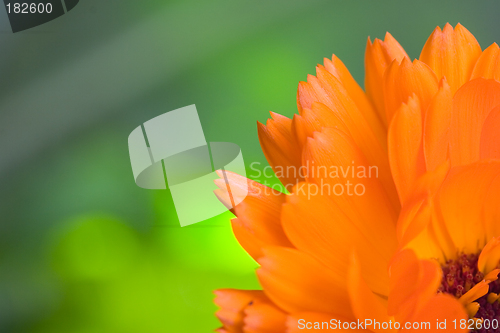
pixel 82 248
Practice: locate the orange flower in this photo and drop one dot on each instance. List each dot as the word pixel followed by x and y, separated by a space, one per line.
pixel 396 216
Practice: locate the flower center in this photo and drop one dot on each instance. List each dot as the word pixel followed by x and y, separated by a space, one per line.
pixel 460 275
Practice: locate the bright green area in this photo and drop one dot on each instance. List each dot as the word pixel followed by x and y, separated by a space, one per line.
pixel 82 249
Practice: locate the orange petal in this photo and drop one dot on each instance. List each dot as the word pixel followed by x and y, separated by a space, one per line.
pixel 440 308
pixel 331 92
pixel 491 210
pixel 413 283
pixel 402 80
pixel 490 256
pixel 437 127
pixel 405 147
pixel 223 330
pixel 424 190
pixel 252 245
pixel 306 96
pixel 471 106
pixel 264 317
pixel 378 56
pixel 451 53
pixel 297 282
pixel 232 303
pixel 490 135
pixel 258 223
pixel 330 237
pixel 488 64
pixel 334 159
pixel 313 120
pixel 421 235
pixel 404 277
pixel 279 146
pixel 366 305
pixel 462 201
pixel 337 68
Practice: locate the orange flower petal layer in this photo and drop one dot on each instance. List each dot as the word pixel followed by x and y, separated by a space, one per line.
pixel 451 53
pixel 366 305
pixel 263 318
pixel 378 56
pixel 296 282
pixel 314 120
pixel 402 80
pixel 258 223
pixel 233 302
pixel 279 145
pixel 472 104
pixel 438 309
pixel 337 68
pixel 405 147
pixel 437 127
pixel 462 201
pixel 490 135
pixel 488 64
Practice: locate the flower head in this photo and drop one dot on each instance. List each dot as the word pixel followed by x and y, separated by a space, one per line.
pixel 396 216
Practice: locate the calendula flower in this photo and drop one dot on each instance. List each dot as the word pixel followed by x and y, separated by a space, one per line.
pixel 393 214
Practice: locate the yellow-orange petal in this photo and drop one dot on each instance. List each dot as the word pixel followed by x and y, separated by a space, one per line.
pixel 365 304
pixel 296 282
pixel 405 79
pixel 437 127
pixel 490 256
pixel 471 106
pixel 232 303
pixel 451 53
pixel 279 146
pixel 488 64
pixel 263 318
pixel 478 291
pixel 258 223
pixel 337 68
pixel 490 135
pixel 378 56
pixel 405 147
pixel 440 308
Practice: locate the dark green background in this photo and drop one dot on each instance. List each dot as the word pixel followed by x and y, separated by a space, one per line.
pixel 82 249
